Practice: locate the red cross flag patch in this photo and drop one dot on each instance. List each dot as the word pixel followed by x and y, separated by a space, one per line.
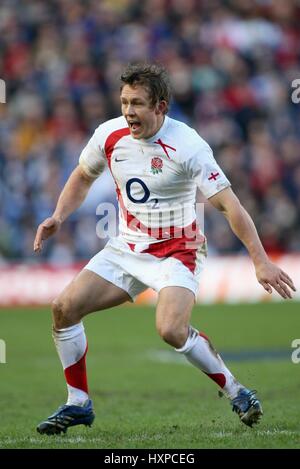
pixel 213 176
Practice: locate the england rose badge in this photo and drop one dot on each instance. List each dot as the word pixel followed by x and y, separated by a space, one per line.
pixel 156 165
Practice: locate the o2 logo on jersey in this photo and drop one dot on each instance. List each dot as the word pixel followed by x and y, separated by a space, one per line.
pixel 145 188
pixel 146 195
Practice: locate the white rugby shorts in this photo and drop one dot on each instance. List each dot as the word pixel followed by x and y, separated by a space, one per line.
pixel 136 267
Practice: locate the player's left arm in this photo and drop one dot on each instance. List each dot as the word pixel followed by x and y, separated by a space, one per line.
pixel 268 274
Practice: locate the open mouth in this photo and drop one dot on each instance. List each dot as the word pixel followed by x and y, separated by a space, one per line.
pixel 134 126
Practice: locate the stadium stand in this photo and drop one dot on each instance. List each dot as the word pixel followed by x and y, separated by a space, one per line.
pixel 232 65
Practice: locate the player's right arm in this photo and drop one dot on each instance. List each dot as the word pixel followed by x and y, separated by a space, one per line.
pixel 91 165
pixel 71 197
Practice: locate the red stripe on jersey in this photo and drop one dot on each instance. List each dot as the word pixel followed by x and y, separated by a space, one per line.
pixel 162 232
pixel 130 219
pixel 112 140
pixel 132 222
pixel 178 248
pixel 109 147
pixel 76 374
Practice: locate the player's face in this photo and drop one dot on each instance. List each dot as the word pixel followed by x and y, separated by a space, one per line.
pixel 144 119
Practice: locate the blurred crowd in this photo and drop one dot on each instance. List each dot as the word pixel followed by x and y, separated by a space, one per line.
pixel 232 64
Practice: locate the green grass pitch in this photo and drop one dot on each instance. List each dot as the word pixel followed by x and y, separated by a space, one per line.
pixel 144 395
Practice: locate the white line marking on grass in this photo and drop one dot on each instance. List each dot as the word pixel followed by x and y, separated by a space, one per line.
pixel 54 439
pixel 221 434
pixel 167 356
pixel 170 356
pixel 260 433
pixel 276 432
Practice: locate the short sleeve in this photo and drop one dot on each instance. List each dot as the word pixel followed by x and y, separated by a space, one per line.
pixel 204 170
pixel 92 158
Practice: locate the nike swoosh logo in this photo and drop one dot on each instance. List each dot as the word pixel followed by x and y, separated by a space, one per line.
pixel 117 161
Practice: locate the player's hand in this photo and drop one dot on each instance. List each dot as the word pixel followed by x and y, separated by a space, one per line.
pixel 46 229
pixel 270 275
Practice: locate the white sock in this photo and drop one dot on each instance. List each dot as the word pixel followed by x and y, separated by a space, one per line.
pixel 71 345
pixel 200 352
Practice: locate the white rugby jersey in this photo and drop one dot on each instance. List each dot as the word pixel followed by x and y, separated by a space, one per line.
pixel 156 178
